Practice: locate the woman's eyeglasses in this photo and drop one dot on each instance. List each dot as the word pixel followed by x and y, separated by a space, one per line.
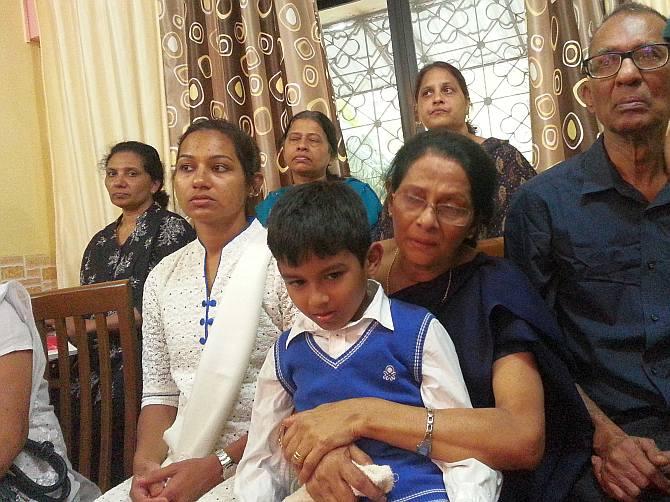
pixel 447 214
pixel 647 57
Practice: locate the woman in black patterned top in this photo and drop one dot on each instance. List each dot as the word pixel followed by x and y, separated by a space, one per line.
pixel 129 248
pixel 442 99
pixel 145 233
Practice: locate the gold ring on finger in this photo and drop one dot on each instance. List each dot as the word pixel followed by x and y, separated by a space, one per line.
pixel 297 457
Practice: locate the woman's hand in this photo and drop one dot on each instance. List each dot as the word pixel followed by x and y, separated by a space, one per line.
pixel 336 475
pixel 140 489
pixel 183 481
pixel 309 435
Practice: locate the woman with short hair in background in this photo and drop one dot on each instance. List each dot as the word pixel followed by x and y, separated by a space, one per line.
pixel 310 144
pixel 145 232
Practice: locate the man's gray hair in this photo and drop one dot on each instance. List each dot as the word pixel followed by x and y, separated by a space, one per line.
pixel 627 8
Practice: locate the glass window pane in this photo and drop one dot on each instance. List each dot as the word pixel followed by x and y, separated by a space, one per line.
pixel 360 58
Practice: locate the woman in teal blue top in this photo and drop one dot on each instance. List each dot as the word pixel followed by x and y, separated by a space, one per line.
pixel 310 144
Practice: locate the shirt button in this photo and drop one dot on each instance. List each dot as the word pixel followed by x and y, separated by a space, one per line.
pixel 651 265
pixel 654 317
pixel 654 371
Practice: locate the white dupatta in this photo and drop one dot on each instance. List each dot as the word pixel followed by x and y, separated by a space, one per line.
pixel 225 358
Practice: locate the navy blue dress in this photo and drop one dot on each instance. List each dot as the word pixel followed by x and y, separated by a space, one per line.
pixel 491 311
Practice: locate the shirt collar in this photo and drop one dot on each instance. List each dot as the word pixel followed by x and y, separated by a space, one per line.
pixel 600 174
pixel 378 310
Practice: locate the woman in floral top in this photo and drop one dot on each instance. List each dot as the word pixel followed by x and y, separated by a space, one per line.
pixel 146 232
pixel 130 247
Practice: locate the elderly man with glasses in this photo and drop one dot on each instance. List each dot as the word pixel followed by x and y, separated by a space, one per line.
pixel 593 234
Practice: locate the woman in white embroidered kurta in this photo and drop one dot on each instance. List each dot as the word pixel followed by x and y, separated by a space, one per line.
pixel 217 170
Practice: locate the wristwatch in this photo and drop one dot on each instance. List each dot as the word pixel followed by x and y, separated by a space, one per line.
pixel 426 444
pixel 226 462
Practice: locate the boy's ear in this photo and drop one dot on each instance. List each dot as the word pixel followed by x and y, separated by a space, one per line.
pixel 374 258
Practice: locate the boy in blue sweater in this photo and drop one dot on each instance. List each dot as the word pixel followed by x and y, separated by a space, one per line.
pixel 351 341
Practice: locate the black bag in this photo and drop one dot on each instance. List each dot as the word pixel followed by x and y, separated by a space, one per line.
pixel 17 479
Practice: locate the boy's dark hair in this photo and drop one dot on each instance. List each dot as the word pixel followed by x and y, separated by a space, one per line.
pixel 320 218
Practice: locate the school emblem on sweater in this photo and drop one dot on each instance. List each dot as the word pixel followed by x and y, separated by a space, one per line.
pixel 389 373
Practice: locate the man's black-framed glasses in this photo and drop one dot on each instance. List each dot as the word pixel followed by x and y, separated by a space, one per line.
pixel 647 57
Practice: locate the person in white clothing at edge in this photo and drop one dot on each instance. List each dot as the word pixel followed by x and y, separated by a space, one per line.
pixel 350 341
pixel 25 411
pixel 211 312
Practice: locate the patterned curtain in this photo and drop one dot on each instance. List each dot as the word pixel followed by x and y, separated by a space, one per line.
pixel 558 37
pixel 102 85
pixel 255 63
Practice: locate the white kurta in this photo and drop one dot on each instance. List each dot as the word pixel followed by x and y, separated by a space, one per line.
pixel 176 310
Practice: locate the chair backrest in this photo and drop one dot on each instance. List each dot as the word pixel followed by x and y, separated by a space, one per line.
pixel 79 304
pixel 494 246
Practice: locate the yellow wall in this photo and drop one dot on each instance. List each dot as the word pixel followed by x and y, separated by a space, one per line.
pixel 26 201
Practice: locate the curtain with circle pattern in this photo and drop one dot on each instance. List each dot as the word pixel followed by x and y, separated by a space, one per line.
pixel 253 62
pixel 558 36
pixel 102 85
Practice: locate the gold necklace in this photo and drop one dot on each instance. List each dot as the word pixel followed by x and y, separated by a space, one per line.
pixel 388 273
pixel 446 292
pixel 388 277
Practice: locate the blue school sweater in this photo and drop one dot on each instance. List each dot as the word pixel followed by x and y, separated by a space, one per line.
pixel 382 363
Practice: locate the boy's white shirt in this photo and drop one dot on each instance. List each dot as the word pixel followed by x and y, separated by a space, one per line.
pixel 264 475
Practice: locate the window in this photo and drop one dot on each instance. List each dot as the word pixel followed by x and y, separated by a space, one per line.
pixel 361 67
pixel 486 39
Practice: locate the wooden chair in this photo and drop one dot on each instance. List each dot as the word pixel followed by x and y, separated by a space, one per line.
pixel 79 304
pixel 492 247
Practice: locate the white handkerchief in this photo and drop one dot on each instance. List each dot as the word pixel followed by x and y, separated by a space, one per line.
pixel 380 475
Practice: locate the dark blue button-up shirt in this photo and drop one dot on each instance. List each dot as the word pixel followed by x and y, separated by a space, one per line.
pixel 600 255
